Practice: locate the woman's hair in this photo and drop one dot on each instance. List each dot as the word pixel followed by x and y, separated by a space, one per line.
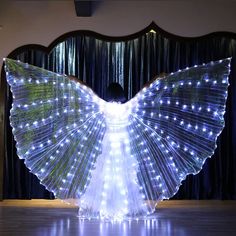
pixel 115 93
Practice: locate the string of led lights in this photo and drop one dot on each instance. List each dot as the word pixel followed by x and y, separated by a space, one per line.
pixel 116 161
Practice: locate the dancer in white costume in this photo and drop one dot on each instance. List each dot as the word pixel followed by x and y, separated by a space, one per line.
pixel 114 184
pixel 113 160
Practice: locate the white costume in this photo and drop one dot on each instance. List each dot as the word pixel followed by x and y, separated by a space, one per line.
pixel 116 161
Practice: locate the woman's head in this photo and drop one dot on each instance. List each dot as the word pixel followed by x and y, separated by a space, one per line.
pixel 115 93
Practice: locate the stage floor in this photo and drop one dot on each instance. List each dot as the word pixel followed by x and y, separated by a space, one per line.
pixel 55 218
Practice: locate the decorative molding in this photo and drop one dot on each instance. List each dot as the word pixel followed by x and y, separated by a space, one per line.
pixel 153 26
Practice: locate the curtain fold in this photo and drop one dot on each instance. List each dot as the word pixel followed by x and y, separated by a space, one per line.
pixel 133 63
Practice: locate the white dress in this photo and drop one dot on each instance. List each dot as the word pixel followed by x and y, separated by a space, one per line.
pixel 114 192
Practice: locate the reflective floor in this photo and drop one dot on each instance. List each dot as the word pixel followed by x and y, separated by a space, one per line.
pixel 41 217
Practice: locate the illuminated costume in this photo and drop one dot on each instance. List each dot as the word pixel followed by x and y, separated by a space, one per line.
pixel 116 161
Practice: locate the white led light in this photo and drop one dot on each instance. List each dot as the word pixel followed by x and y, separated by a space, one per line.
pixel 115 159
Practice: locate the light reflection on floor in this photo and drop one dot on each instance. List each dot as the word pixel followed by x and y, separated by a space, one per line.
pixel 101 228
pixel 184 220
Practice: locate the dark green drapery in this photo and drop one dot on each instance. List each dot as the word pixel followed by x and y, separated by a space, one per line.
pixel 132 63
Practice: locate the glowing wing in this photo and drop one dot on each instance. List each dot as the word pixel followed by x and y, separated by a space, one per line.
pixel 57 127
pixel 174 125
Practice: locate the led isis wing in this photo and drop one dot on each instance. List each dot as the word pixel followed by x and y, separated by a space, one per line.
pixel 174 125
pixel 52 118
pixel 113 159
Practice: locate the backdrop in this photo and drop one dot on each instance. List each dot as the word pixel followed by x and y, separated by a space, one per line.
pixel 132 61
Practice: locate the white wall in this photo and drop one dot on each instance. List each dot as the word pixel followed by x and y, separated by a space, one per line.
pixel 40 22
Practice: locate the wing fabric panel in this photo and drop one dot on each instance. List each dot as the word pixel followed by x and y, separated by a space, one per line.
pixel 52 118
pixel 174 126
